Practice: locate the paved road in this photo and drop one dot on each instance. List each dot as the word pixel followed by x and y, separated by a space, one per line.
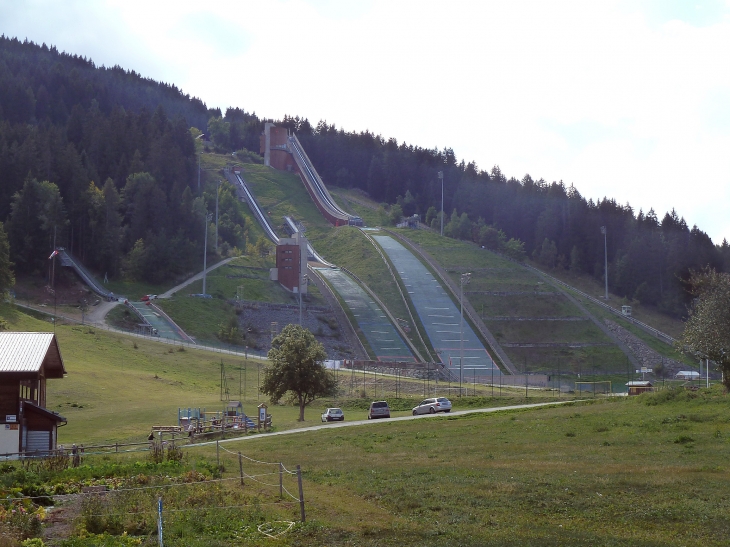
pixel 440 316
pixel 374 324
pixel 381 421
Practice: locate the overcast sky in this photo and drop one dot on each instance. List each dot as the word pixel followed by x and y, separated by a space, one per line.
pixel 624 99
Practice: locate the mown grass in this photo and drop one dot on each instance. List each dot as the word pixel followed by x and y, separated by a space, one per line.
pixel 280 193
pixel 351 200
pixel 551 331
pixel 649 470
pixel 528 305
pixel 201 318
pixel 595 287
pixel 118 386
pixel 493 273
pixel 574 363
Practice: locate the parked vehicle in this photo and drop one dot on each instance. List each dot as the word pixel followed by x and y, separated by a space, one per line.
pixel 333 415
pixel 378 409
pixel 432 406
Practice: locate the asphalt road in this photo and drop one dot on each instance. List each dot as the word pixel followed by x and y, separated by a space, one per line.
pixel 354 423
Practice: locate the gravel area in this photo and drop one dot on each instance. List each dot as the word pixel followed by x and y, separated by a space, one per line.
pixel 256 319
pixel 647 357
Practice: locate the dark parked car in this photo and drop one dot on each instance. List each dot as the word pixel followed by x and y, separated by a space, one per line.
pixel 333 415
pixel 432 406
pixel 378 409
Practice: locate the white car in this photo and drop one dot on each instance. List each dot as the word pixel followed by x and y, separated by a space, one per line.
pixel 432 406
pixel 333 415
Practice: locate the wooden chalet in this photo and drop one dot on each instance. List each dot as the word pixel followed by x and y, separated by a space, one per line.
pixel 27 360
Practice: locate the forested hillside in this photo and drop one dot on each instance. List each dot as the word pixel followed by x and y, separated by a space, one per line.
pixel 650 256
pixel 120 165
pixel 104 162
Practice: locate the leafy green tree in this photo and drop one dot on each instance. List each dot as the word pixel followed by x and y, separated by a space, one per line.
pixel 707 331
pixel 430 215
pixel 491 238
pixel 396 214
pixel 7 279
pixel 515 249
pixel 263 246
pixel 220 133
pixel 575 263
pixel 452 227
pixel 296 368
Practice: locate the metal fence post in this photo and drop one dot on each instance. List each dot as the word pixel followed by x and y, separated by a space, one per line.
pixel 281 480
pixel 301 493
pixel 240 466
pixel 159 520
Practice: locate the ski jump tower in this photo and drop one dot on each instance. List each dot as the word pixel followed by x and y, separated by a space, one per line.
pixel 284 152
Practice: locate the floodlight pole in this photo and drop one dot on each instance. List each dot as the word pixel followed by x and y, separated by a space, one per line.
pixel 605 259
pixel 441 176
pixel 200 153
pixel 217 193
pixel 208 217
pixel 465 279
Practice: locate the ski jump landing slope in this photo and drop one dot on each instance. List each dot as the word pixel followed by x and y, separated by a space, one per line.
pixel 381 335
pixel 440 316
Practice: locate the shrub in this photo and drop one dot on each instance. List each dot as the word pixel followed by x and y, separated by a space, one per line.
pixel 683 439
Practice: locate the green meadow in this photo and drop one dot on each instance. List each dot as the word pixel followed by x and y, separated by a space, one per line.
pixel 649 470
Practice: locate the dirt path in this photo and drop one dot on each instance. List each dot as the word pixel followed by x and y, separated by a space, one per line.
pixel 97 314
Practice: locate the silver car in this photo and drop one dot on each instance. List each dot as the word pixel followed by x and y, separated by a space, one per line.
pixel 378 409
pixel 333 415
pixel 432 406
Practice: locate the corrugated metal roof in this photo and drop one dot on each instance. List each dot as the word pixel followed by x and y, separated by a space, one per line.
pixel 24 351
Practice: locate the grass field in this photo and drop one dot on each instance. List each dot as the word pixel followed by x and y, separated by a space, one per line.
pixel 649 470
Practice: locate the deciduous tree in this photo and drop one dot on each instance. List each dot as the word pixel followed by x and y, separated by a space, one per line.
pixel 707 331
pixel 296 368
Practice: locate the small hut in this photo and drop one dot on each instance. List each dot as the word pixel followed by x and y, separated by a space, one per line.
pixel 27 360
pixel 637 387
pixel 234 408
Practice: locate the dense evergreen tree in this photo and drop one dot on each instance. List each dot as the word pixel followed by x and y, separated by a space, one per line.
pixel 7 279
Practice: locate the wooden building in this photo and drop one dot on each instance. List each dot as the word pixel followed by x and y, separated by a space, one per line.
pixel 636 387
pixel 27 360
